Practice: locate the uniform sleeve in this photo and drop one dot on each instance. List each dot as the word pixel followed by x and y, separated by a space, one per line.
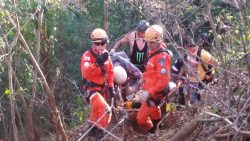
pixel 163 73
pixel 88 66
pixel 121 42
pixel 110 72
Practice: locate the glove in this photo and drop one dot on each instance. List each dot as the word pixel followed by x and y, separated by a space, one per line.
pixel 171 86
pixel 150 102
pixel 113 94
pixel 102 58
pixel 112 50
pixel 144 95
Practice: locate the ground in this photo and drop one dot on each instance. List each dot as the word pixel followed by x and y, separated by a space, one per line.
pixel 180 122
pixel 129 131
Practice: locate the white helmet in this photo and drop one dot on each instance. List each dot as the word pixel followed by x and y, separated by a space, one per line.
pixel 120 75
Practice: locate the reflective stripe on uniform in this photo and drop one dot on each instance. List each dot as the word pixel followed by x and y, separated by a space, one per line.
pixel 92 96
pixel 86 64
pixel 174 68
pixel 151 64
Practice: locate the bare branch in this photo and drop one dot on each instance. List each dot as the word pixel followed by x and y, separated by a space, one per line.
pixel 244 133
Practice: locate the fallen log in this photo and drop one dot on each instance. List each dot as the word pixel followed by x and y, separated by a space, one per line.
pixel 185 131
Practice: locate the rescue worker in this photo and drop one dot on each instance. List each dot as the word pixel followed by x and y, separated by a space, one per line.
pixel 138 46
pixel 197 64
pixel 97 73
pixel 156 79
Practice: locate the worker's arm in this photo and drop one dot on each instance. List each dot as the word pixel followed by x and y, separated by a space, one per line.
pixel 120 43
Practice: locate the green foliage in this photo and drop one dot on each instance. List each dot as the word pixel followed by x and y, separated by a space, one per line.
pixel 95 12
pixel 123 20
pixel 65 36
pixel 82 111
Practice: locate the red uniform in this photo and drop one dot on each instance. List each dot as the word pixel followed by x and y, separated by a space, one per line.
pixel 156 79
pixel 98 76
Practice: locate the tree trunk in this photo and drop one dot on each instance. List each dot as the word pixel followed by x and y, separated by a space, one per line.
pixel 106 14
pixel 4 123
pixel 30 123
pixel 185 131
pixel 51 100
pixel 54 111
pixel 219 51
pixel 12 97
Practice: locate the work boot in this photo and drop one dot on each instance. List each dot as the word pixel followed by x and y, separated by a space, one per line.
pixel 99 134
pixel 152 130
pixel 92 132
pixel 155 122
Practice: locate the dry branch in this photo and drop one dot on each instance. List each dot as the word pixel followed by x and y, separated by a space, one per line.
pixel 233 126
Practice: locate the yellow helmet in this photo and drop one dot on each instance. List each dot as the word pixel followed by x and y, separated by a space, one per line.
pixel 98 35
pixel 154 33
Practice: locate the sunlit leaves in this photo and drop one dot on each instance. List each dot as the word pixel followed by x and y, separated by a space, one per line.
pixel 1 43
pixel 2 15
pixel 7 92
pixel 248 37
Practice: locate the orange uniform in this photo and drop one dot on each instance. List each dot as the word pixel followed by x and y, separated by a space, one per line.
pixel 156 79
pixel 100 77
pixel 93 73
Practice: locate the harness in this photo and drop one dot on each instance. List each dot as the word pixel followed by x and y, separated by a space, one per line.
pixel 156 52
pixel 164 93
pixel 90 84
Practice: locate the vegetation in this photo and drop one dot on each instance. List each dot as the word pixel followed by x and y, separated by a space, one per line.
pixel 41 43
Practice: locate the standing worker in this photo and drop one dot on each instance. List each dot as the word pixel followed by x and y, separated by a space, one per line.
pixel 97 73
pixel 199 65
pixel 156 79
pixel 138 46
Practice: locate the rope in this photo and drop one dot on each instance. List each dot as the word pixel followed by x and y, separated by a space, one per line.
pixel 121 121
pixel 107 110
